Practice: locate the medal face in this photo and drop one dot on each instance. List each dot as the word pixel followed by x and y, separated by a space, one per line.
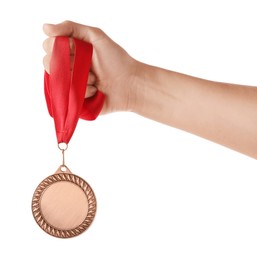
pixel 63 204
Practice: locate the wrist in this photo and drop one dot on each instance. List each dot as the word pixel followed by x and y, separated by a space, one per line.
pixel 140 90
pixel 154 93
pixel 135 85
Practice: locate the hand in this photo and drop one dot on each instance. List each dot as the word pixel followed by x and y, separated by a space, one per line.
pixel 221 112
pixel 113 71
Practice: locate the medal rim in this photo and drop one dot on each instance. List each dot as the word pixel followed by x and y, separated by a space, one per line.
pixel 60 176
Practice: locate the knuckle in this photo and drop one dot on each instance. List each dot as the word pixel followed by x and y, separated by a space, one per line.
pixel 98 31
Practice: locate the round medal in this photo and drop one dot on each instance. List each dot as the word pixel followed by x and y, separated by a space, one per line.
pixel 64 205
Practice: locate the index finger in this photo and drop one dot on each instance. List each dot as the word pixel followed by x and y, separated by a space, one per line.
pixel 71 29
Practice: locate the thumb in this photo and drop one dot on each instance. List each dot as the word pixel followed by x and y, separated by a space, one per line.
pixel 71 29
pixel 53 30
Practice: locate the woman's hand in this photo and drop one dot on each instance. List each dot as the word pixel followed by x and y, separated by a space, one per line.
pixel 113 71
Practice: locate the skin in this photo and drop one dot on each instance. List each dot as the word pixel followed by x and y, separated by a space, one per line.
pixel 221 112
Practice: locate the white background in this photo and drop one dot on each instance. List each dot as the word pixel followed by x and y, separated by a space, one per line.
pixel 162 193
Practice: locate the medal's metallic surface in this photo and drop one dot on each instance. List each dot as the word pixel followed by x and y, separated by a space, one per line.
pixel 63 204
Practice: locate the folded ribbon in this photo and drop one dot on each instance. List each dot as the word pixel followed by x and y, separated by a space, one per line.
pixel 65 88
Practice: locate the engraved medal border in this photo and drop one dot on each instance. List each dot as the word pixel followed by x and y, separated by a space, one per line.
pixel 58 176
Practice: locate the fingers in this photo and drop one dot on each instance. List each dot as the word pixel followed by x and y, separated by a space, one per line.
pixel 91 81
pixel 46 62
pixel 91 78
pixel 71 29
pixel 64 29
pixel 48 45
pixel 91 90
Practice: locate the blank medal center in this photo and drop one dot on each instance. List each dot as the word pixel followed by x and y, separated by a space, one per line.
pixel 64 205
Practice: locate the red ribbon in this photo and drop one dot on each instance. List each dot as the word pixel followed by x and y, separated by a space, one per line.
pixel 65 89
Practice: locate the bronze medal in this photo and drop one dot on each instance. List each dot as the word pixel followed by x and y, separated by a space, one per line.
pixel 63 204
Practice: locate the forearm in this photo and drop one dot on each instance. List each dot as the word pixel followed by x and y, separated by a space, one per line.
pixel 223 113
pixel 220 112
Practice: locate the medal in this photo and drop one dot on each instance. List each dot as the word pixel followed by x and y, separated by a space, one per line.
pixel 64 204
